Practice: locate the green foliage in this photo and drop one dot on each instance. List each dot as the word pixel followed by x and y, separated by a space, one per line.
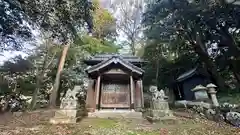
pixel 94 45
pixel 23 72
pixel 190 29
pixel 166 62
pixel 13 71
pixel 60 18
pixel 61 21
pixel 12 27
pixel 104 25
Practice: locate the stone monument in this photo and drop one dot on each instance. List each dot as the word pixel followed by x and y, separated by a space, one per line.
pixel 160 108
pixel 200 93
pixel 69 110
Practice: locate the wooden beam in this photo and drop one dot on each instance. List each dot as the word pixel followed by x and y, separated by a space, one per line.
pixel 98 91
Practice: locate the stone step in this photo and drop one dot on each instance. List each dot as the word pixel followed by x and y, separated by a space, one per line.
pixel 66 113
pixel 63 120
pixel 115 114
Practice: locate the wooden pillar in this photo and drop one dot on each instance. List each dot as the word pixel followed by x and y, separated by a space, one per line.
pixel 132 92
pixel 98 91
pixel 138 97
pixel 90 104
pixel 141 91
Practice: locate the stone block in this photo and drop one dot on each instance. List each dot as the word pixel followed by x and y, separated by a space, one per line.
pixel 65 116
pixel 66 113
pixel 201 95
pixel 160 113
pixel 63 120
pixel 160 105
pixel 69 104
pixel 115 114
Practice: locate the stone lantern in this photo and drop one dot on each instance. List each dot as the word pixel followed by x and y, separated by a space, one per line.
pixel 212 91
pixel 200 92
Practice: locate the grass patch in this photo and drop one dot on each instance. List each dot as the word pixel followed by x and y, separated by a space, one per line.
pixel 155 132
pixel 145 133
pixel 102 123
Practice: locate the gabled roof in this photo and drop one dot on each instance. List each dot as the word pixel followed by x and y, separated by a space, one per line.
pixel 115 59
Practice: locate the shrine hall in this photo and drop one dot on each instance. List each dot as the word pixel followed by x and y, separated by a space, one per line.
pixel 115 83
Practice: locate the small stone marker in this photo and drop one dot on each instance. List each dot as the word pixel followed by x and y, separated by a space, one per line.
pixel 68 112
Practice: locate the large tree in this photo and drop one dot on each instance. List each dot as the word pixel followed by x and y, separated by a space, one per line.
pixel 104 23
pixel 198 23
pixel 102 31
pixel 128 14
pixel 60 18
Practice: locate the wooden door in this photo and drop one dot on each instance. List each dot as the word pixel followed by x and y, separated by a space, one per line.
pixel 115 95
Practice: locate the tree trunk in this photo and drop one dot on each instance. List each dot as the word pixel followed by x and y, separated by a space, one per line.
pixel 157 72
pixel 36 91
pixel 15 87
pixel 39 78
pixel 132 46
pixel 235 70
pixel 211 67
pixel 53 95
pixel 237 76
pixel 58 100
pixel 219 80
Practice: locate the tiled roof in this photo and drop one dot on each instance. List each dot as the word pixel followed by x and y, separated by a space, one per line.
pixel 103 57
pixel 187 74
pixel 116 59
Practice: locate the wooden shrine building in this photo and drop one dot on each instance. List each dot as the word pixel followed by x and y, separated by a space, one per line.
pixel 115 82
pixel 188 80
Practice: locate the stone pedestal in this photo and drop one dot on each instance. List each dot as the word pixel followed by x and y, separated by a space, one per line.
pixel 160 105
pixel 68 112
pixel 115 114
pixel 160 108
pixel 65 116
pixel 160 111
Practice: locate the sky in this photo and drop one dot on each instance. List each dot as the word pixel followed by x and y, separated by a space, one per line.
pixel 11 54
pixel 7 55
